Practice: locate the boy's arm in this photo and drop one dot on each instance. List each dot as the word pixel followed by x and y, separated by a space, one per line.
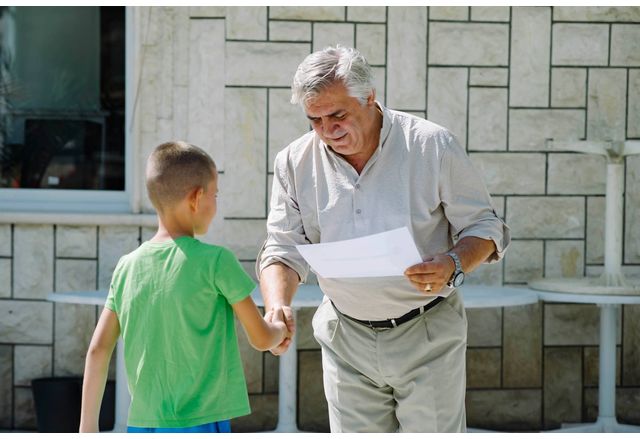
pixel 262 335
pixel 96 369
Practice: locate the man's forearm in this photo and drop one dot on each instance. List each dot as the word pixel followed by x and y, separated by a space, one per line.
pixel 473 251
pixel 278 284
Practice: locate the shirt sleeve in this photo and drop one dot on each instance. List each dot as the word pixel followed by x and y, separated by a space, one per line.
pixel 112 298
pixel 230 278
pixel 284 224
pixel 467 203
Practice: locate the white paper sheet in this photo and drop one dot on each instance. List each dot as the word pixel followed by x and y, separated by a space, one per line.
pixel 383 254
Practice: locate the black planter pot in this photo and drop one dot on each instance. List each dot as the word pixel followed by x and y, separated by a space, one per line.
pixel 58 401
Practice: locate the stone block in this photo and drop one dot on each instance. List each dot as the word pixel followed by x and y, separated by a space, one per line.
pixel 447 104
pixel 245 236
pixel 488 119
pixel 596 13
pixel 371 41
pixel 6 386
pixel 591 366
pixel 271 368
pixel 73 331
pixel 491 76
pixel 572 325
pixel 310 13
pixel 522 346
pixel 76 242
pixel 484 327
pixel 576 174
pixel 631 345
pixel 595 230
pixel 207 11
pixel 114 242
pixel 5 277
pixel 458 13
pixel 546 217
pixel 263 417
pixel 632 211
pixel 33 247
pixel 376 14
pixel 180 49
pixel 181 113
pixel 313 414
pixel 568 87
pixel 485 274
pixel 265 72
pixel 251 361
pixel 25 411
pixel 472 44
pixel 246 22
pixel 524 261
pixel 625 49
pixel 483 368
pixel 511 173
pixel 31 362
pixel 289 31
pixel 146 233
pixel 331 34
pixel 580 44
pixel 562 386
pixel 250 268
pixel 564 259
pixel 504 410
pixel 627 403
pixel 245 140
pixel 5 240
pixel 207 67
pixel 528 129
pixel 75 275
pixel 633 122
pixel 490 13
pixel 25 321
pixel 407 57
pixel 304 330
pixel 607 96
pixel 530 46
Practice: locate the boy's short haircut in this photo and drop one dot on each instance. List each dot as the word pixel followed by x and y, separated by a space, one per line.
pixel 174 169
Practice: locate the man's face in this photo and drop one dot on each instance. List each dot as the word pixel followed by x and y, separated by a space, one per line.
pixel 342 122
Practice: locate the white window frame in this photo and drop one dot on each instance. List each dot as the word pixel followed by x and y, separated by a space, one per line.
pixel 89 201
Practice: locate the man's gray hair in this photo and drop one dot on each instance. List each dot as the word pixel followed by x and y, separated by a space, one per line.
pixel 325 67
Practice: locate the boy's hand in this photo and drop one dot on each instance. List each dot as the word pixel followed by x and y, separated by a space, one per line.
pixel 282 315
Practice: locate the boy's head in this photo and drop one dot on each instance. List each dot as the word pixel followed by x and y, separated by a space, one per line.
pixel 179 172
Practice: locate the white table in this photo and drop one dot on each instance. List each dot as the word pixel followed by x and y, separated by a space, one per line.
pixel 307 296
pixel 608 305
pixel 123 399
pixel 489 296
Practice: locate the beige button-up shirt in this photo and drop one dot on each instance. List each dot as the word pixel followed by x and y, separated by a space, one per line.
pixel 418 177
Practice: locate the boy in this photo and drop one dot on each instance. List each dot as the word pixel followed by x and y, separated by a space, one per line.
pixel 173 300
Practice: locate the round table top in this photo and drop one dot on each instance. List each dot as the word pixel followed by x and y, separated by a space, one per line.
pixel 582 290
pixel 490 296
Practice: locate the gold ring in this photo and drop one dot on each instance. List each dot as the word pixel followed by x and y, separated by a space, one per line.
pixel 427 288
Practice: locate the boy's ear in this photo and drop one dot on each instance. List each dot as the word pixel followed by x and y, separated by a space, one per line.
pixel 194 198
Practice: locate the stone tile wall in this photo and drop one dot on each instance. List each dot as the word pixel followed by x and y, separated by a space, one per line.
pixel 503 79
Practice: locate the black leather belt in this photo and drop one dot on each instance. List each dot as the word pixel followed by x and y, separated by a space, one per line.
pixel 392 323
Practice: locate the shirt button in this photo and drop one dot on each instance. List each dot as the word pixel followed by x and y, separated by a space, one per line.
pixel 357 185
pixel 358 211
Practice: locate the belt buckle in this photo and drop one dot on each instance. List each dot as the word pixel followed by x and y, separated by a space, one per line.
pixel 393 322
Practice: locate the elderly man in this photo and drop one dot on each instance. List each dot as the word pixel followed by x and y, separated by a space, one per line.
pixel 393 348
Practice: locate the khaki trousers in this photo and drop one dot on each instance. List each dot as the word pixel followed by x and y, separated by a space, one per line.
pixel 405 379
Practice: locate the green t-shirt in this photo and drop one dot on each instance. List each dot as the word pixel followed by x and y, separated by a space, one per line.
pixel 181 353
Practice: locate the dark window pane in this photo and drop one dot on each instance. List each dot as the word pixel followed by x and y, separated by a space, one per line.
pixel 62 97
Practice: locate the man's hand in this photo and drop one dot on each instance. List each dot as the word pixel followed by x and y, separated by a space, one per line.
pixel 432 274
pixel 282 314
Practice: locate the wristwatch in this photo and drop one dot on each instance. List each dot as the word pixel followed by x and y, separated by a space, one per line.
pixel 457 278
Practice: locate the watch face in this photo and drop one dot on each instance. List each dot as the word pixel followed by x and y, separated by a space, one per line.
pixel 457 281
